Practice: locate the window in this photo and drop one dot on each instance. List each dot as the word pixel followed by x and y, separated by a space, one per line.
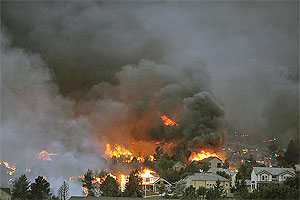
pixel 264 177
pixel 219 165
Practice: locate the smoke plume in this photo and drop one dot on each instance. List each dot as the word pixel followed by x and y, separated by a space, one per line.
pixel 78 75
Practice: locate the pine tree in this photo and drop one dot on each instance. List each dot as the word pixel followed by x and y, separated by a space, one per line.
pixel 20 188
pixel 292 153
pixel 63 191
pixel 110 187
pixel 87 182
pixel 132 187
pixel 40 189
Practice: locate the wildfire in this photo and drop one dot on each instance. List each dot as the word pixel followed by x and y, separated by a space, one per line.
pixel 9 166
pixel 148 177
pixel 167 121
pixel 45 155
pixel 123 181
pixel 121 152
pixel 202 155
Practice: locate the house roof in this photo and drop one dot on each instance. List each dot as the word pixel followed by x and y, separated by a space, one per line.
pixel 6 190
pixel 164 180
pixel 230 172
pixel 207 177
pixel 272 170
pixel 178 163
pixel 211 158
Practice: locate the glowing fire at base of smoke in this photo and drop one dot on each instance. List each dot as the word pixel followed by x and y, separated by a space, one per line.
pixel 202 155
pixel 118 151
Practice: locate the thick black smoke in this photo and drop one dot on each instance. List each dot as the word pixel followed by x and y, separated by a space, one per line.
pixel 79 74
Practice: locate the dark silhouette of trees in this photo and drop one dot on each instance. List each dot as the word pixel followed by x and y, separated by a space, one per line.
pixel 132 186
pixel 223 174
pixel 159 151
pixel 110 187
pixel 201 192
pixel 20 188
pixel 63 191
pixel 87 182
pixel 190 193
pixel 292 153
pixel 40 189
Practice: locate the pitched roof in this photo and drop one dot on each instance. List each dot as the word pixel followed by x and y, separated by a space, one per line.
pixel 161 179
pixel 230 172
pixel 210 158
pixel 178 163
pixel 207 177
pixel 273 170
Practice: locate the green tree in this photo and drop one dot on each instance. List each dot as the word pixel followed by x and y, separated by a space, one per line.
pixel 292 153
pixel 201 192
pixel 179 188
pixel 87 182
pixel 189 193
pixel 212 194
pixel 219 188
pixel 161 188
pixel 204 166
pixel 223 174
pixel 273 191
pixel 132 186
pixel 244 171
pixel 63 191
pixel 216 192
pixel 110 187
pixel 20 188
pixel 40 189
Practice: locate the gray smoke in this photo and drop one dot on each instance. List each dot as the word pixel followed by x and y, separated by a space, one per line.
pixel 77 75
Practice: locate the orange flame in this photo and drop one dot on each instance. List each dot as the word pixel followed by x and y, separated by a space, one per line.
pixel 9 166
pixel 148 176
pixel 202 155
pixel 123 181
pixel 121 152
pixel 45 155
pixel 167 121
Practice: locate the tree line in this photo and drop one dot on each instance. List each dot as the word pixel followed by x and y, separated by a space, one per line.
pixel 22 189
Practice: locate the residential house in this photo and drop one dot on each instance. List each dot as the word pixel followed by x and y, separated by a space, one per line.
pixel 230 172
pixel 269 174
pixel 214 162
pixel 159 182
pixel 5 194
pixel 178 166
pixel 207 180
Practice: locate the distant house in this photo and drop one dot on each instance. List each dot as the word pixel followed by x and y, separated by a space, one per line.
pixel 5 194
pixel 214 162
pixel 269 174
pixel 207 180
pixel 159 182
pixel 178 166
pixel 230 172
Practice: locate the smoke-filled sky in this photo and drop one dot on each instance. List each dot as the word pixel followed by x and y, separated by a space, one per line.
pixel 76 75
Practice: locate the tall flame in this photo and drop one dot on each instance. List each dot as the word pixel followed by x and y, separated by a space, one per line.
pixel 167 121
pixel 45 155
pixel 148 177
pixel 121 152
pixel 202 155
